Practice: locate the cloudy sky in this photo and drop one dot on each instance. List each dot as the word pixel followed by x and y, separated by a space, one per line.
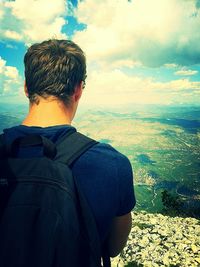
pixel 139 51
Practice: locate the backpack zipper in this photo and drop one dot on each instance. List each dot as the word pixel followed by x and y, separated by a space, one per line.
pixel 46 182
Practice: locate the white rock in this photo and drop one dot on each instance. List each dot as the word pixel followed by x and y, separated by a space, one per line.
pixel 167 241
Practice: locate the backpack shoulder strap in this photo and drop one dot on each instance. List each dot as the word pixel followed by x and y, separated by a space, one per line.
pixel 1 140
pixel 3 181
pixel 2 146
pixel 71 147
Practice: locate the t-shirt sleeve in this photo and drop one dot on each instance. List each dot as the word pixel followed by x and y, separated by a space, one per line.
pixel 127 199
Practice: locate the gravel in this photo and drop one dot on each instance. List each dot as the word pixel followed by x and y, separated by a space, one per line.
pixel 157 240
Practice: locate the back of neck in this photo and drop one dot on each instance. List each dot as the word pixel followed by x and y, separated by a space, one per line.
pixel 48 113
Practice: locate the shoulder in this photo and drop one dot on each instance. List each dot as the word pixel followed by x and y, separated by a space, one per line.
pixel 106 151
pixel 104 155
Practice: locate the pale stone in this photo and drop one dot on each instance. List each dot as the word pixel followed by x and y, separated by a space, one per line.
pixel 194 248
pixel 168 241
pixel 197 259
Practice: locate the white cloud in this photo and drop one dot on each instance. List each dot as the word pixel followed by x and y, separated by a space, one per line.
pixel 171 66
pixel 11 72
pixel 35 34
pixel 2 65
pixel 33 21
pixel 12 35
pixel 127 34
pixel 184 84
pixel 33 11
pixel 185 72
pixel 1 11
pixel 11 82
pixel 11 46
pixel 117 88
pixel 153 32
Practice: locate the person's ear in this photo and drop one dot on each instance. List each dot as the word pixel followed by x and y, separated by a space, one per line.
pixel 78 92
pixel 25 89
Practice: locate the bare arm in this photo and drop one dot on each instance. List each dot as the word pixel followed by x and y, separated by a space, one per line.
pixel 119 232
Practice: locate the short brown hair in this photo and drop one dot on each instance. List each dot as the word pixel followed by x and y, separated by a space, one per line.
pixel 54 68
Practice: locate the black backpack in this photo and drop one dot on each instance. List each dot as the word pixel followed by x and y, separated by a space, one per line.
pixel 45 220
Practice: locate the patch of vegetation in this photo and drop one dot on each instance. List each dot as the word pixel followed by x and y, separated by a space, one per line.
pixel 172 203
pixel 142 225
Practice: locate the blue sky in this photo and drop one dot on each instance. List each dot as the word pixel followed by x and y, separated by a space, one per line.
pixel 141 51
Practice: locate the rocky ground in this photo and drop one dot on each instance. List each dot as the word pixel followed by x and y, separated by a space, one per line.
pixel 157 240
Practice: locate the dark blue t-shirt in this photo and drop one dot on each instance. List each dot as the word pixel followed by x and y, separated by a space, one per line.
pixel 104 174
